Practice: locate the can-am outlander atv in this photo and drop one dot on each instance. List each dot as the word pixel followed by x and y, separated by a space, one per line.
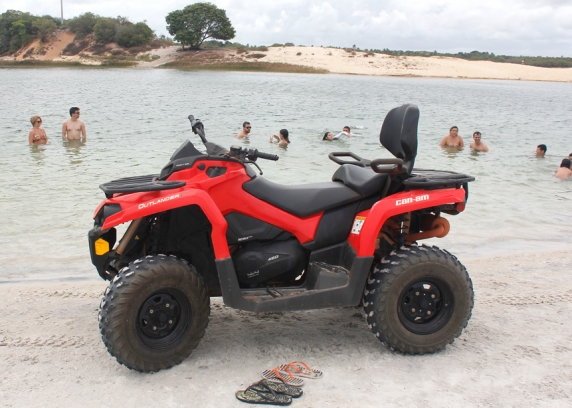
pixel 209 225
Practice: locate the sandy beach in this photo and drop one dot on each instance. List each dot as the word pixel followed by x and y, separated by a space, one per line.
pixel 340 61
pixel 516 350
pixel 333 60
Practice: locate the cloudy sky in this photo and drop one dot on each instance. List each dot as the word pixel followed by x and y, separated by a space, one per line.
pixel 510 27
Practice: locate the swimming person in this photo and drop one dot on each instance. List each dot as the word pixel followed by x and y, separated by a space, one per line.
pixel 37 135
pixel 540 150
pixel 477 144
pixel 564 171
pixel 452 139
pixel 283 140
pixel 245 132
pixel 345 132
pixel 328 136
pixel 74 128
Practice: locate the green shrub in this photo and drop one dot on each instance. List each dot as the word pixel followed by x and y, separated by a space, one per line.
pixel 132 35
pixel 44 27
pixel 83 24
pixel 104 30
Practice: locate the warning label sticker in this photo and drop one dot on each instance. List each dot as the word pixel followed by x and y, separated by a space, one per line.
pixel 358 223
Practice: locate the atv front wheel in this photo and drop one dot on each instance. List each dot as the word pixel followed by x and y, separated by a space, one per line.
pixel 418 300
pixel 154 313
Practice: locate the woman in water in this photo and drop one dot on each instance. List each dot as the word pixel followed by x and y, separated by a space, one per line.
pixel 282 140
pixel 37 135
pixel 345 132
pixel 564 171
pixel 453 139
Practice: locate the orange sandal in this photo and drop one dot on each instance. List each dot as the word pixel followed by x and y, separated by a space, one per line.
pixel 279 375
pixel 301 369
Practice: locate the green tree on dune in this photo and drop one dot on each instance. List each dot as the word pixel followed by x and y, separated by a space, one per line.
pixel 197 22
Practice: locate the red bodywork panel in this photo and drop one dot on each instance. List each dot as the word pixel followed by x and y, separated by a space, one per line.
pixel 224 194
pixel 217 197
pixel 364 241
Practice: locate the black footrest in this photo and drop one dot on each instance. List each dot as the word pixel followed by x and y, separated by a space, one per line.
pixel 138 184
pixel 436 179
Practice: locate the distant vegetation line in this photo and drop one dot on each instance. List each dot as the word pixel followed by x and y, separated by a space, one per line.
pixel 546 62
pixel 18 29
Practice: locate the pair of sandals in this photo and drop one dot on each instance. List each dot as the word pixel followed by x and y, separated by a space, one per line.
pixel 279 385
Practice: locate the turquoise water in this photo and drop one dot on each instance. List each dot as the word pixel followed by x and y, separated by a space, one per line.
pixel 135 119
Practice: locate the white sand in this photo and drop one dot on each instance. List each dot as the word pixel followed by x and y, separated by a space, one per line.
pixel 516 351
pixel 342 62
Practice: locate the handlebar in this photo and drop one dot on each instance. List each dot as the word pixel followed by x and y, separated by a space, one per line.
pixel 266 156
pixel 198 128
pixel 250 154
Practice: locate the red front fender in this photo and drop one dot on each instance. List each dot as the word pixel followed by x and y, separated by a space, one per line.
pixel 140 205
pixel 368 223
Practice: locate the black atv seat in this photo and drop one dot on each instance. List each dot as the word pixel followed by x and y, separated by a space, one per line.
pixel 302 200
pixel 362 180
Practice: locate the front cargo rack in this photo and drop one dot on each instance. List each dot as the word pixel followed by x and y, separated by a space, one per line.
pixel 138 184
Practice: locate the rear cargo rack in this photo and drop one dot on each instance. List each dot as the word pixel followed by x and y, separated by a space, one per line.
pixel 138 184
pixel 436 179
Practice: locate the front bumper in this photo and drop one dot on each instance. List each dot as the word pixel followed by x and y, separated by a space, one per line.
pixel 101 243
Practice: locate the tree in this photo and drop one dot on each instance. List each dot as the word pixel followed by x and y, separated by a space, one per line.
pixel 197 22
pixel 132 35
pixel 45 27
pixel 104 30
pixel 83 24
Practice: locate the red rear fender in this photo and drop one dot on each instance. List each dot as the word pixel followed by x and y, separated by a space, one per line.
pixel 368 223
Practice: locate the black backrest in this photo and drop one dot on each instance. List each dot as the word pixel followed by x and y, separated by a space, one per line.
pixel 399 134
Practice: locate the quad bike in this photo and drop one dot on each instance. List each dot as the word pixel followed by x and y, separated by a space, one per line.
pixel 209 225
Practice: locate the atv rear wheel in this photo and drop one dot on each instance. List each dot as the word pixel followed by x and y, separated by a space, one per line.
pixel 154 313
pixel 418 300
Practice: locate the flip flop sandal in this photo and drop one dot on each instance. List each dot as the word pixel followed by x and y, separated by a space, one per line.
pixel 294 392
pixel 301 369
pixel 279 376
pixel 262 394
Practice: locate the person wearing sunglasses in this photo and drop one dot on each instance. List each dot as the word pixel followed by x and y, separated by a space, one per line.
pixel 37 135
pixel 245 132
pixel 74 128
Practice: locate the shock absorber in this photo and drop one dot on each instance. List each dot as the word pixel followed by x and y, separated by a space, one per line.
pixel 395 230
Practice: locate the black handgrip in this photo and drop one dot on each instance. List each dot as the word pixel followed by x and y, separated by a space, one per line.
pixel 198 127
pixel 266 156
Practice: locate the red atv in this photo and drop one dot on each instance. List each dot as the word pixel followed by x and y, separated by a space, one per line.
pixel 209 225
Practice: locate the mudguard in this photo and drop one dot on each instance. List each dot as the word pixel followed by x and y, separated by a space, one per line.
pixel 367 224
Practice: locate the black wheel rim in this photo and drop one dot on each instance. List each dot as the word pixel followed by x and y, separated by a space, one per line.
pixel 163 318
pixel 425 305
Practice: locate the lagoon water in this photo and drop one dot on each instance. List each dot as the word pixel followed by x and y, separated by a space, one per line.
pixel 136 118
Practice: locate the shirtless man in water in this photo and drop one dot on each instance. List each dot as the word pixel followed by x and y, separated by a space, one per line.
pixel 74 128
pixel 452 139
pixel 477 144
pixel 245 132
